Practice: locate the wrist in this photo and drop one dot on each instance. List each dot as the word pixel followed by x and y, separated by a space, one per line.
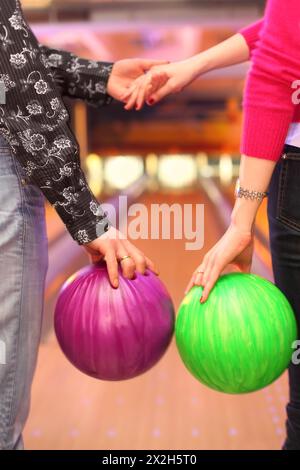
pixel 197 66
pixel 109 78
pixel 244 214
pixel 253 194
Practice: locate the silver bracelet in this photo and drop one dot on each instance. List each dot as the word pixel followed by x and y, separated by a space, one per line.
pixel 249 194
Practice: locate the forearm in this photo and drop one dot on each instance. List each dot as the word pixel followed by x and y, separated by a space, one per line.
pixel 232 51
pixel 50 160
pixel 35 123
pixel 255 175
pixel 78 77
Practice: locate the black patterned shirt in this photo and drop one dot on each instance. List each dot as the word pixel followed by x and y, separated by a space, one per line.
pixel 35 121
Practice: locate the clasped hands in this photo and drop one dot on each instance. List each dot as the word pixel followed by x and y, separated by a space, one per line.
pixel 139 81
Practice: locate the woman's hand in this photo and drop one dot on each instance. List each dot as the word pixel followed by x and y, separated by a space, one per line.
pixel 125 73
pixel 233 252
pixel 113 247
pixel 143 87
pixel 159 82
pixel 178 75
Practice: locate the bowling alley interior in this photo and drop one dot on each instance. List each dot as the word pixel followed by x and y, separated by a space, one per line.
pixel 178 158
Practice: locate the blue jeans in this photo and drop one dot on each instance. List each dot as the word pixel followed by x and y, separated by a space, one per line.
pixel 23 267
pixel 284 221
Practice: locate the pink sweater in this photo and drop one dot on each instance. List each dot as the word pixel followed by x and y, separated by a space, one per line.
pixel 269 109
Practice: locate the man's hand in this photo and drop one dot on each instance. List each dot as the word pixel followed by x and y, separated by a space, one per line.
pixel 114 248
pixel 125 72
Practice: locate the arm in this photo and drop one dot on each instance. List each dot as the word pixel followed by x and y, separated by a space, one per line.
pixel 92 81
pixel 234 250
pixel 234 50
pixel 36 125
pixel 268 105
pixel 268 113
pixel 77 77
pixel 178 75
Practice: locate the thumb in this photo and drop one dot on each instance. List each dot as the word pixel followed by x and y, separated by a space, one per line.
pixel 240 268
pixel 159 95
pixel 147 64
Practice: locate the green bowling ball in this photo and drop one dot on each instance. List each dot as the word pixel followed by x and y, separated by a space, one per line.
pixel 241 339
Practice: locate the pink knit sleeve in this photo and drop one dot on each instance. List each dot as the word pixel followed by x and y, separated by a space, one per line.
pixel 268 104
pixel 251 34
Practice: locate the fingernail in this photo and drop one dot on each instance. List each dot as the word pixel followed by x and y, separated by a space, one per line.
pixel 116 283
pixel 151 102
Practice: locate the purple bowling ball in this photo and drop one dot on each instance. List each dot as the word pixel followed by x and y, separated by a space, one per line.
pixel 113 334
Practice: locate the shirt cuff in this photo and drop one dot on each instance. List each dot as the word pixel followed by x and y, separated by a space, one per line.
pixel 93 83
pixel 91 223
pixel 100 81
pixel 91 231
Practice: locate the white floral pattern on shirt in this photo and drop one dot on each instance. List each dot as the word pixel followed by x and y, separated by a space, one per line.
pixel 35 121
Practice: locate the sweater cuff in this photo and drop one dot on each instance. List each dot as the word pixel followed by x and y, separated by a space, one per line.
pixel 250 35
pixel 264 132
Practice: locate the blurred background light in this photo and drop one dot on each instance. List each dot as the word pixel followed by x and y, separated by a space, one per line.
pixel 122 171
pixel 152 165
pixel 177 171
pixel 36 3
pixel 94 167
pixel 226 168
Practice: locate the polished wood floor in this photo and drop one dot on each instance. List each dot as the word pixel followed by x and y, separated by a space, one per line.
pixel 163 409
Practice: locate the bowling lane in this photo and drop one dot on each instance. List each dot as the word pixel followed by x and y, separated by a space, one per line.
pixel 165 408
pixel 175 262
